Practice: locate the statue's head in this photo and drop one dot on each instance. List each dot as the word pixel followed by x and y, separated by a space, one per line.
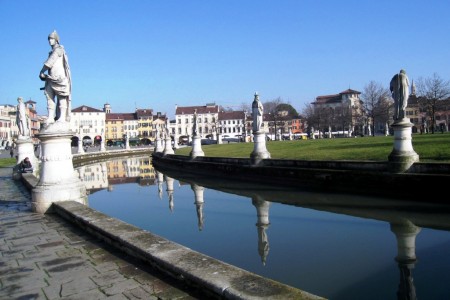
pixel 20 99
pixel 54 35
pixel 402 71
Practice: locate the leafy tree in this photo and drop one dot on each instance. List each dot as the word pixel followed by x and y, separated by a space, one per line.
pixel 431 91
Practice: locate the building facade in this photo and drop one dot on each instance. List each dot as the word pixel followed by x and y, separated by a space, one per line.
pixel 207 118
pixel 88 123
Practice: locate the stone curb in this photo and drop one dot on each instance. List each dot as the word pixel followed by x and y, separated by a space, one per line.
pixel 197 270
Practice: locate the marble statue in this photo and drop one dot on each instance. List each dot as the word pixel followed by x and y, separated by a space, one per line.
pixel 195 126
pixel 22 119
pixel 58 83
pixel 399 87
pixel 258 112
pixel 168 127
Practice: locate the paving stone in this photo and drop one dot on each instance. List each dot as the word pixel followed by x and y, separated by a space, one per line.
pixel 139 293
pixel 44 257
pixel 119 287
pixel 108 278
pixel 80 285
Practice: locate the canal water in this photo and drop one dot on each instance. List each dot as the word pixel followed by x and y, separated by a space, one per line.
pixel 335 246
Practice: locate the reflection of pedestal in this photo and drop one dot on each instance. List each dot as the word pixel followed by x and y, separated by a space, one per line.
pixel 196 147
pixel 259 150
pixel 403 154
pixel 168 146
pixel 25 148
pixel 160 179
pixel 58 180
pixel 406 240
pixel 262 212
pixel 198 192
pixel 169 189
pixel 406 233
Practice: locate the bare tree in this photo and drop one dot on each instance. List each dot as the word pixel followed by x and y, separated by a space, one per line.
pixel 431 92
pixel 374 96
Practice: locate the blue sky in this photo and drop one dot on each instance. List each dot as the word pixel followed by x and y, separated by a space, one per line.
pixel 156 54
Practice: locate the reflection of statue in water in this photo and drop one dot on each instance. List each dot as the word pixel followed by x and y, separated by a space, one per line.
pixel 58 83
pixel 22 119
pixel 258 111
pixel 399 87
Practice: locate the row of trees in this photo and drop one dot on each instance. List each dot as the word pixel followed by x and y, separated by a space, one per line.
pixel 376 107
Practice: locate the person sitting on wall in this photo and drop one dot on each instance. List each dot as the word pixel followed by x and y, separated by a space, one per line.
pixel 25 166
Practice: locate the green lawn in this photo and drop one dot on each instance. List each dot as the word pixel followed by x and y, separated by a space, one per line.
pixel 430 147
pixel 7 162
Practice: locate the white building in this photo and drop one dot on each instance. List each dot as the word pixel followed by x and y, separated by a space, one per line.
pixel 232 123
pixel 8 126
pixel 207 120
pixel 88 123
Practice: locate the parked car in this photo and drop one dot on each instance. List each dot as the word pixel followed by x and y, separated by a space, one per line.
pixel 208 141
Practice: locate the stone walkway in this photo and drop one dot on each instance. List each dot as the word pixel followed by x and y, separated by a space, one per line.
pixel 44 257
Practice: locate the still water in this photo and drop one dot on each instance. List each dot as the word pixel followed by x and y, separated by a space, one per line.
pixel 334 246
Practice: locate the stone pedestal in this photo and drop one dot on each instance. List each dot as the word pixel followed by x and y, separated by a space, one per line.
pixel 25 148
pixel 175 141
pixel 58 181
pixel 158 144
pixel 168 146
pixel 80 146
pixel 259 150
pixel 196 147
pixel 102 145
pixel 403 155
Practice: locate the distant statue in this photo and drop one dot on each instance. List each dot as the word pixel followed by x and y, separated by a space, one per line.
pixel 195 125
pixel 168 127
pixel 399 87
pixel 58 83
pixel 22 118
pixel 258 112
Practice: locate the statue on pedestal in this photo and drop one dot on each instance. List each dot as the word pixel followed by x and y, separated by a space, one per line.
pixel 399 87
pixel 22 119
pixel 258 112
pixel 195 126
pixel 58 83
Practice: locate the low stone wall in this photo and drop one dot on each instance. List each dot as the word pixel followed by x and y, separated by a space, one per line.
pixel 359 177
pixel 215 278
pixel 95 157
